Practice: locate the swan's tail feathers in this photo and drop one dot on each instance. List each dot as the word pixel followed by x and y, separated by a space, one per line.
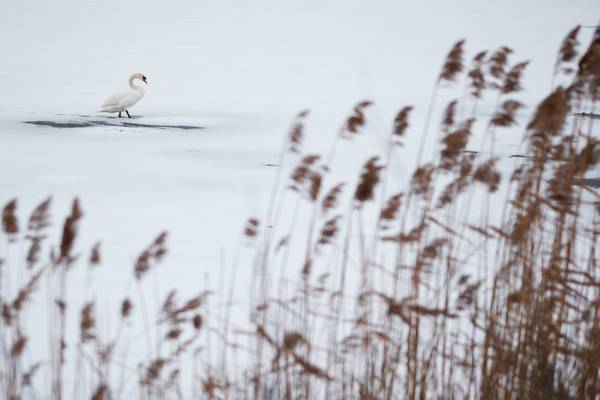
pixel 109 109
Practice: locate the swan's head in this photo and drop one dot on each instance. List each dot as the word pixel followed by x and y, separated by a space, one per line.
pixel 140 76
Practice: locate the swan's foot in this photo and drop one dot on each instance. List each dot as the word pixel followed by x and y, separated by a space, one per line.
pixel 128 113
pixel 119 115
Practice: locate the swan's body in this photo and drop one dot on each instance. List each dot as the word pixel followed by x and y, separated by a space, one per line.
pixel 122 101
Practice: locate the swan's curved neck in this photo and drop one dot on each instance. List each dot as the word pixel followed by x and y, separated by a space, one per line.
pixel 133 85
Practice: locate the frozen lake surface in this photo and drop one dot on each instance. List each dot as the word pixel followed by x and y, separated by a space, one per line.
pixel 226 79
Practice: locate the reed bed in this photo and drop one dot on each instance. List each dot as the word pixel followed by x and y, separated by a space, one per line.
pixel 466 283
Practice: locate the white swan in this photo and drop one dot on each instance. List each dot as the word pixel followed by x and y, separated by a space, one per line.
pixel 122 101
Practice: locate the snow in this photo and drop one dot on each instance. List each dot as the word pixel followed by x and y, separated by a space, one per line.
pixel 240 71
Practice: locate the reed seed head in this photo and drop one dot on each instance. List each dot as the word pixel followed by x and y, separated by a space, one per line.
pixel 10 224
pixel 95 257
pixel 568 48
pixel 506 115
pixel 421 179
pixel 251 228
pixel 368 180
pixel 512 79
pixel 18 345
pixel 306 178
pixel 87 323
pixel 126 307
pixel 449 116
pixel 152 255
pixel 498 61
pixel 390 211
pixel 70 233
pixel 40 217
pixel 356 120
pixel 329 231
pixel 477 82
pixel 454 144
pixel 454 63
pixel 551 113
pixel 487 174
pixel 296 134
pixel 331 199
pixel 401 124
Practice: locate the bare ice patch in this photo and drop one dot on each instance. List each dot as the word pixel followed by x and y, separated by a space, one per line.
pixel 592 182
pixel 105 123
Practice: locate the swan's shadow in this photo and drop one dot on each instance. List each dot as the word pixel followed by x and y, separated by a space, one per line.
pixel 103 123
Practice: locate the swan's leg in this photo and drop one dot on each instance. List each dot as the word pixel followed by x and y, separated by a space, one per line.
pixel 128 113
pixel 119 115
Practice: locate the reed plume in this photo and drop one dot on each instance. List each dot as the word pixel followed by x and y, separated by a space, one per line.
pixel 40 218
pixel 449 116
pixel 296 134
pixel 331 199
pixel 368 180
pixel 126 307
pixel 588 75
pixel 306 177
pixel 329 231
pixel 477 82
pixel 251 228
pixel 421 179
pixel 152 255
pixel 454 63
pixel 69 234
pixel 459 184
pixel 497 63
pixel 568 48
pixel 356 120
pixel 10 225
pixel 505 116
pixel 38 221
pixel 87 323
pixel 390 212
pixel 454 145
pixel 401 124
pixel 512 79
pixel 487 174
pixel 95 256
pixel 550 114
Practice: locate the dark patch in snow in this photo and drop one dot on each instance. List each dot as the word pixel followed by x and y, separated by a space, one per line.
pixel 184 127
pixel 470 152
pixel 586 115
pixel 519 156
pixel 59 124
pixel 592 182
pixel 96 123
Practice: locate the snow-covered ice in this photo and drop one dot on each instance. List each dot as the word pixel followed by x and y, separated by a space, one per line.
pixel 226 79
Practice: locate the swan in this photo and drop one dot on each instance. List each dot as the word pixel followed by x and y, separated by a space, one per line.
pixel 122 101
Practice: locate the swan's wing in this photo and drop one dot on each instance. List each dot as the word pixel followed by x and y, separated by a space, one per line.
pixel 130 98
pixel 115 99
pixel 122 101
